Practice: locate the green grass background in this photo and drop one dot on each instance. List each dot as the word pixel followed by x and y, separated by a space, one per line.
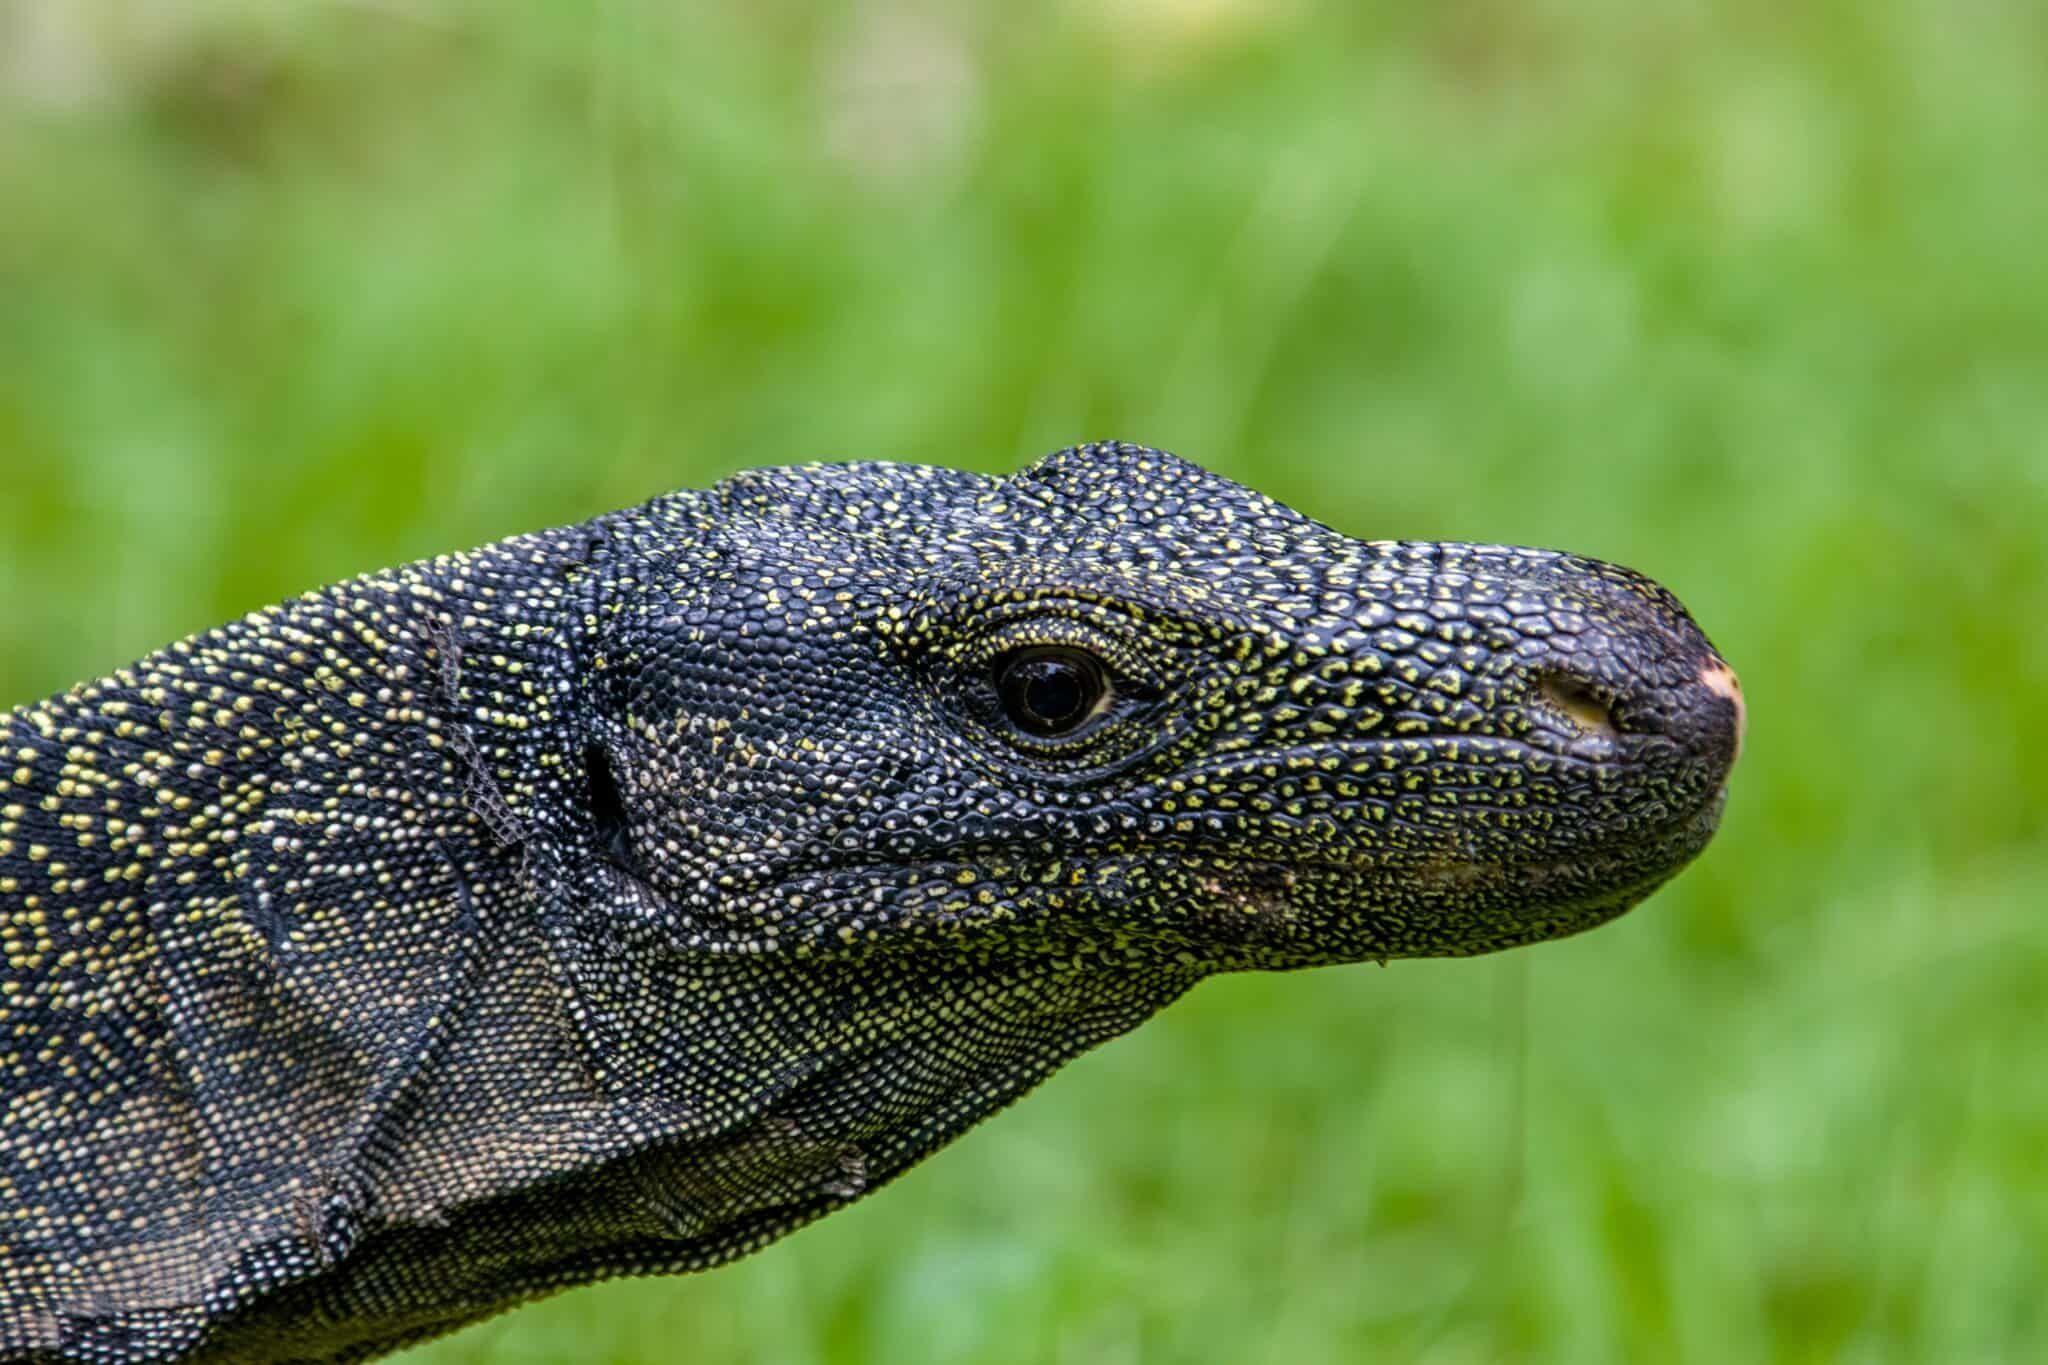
pixel 1750 295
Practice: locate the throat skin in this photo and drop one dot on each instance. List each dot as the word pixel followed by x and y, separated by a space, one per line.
pixel 616 899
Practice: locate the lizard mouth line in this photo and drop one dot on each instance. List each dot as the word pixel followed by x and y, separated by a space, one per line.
pixel 819 900
pixel 1604 758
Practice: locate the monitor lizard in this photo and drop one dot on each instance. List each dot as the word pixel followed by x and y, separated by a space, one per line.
pixel 615 899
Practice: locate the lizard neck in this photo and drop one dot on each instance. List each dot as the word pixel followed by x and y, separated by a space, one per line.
pixel 243 885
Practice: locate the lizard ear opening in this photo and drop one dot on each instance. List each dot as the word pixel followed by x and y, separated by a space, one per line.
pixel 607 807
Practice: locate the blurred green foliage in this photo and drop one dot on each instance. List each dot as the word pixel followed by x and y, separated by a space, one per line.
pixel 1751 296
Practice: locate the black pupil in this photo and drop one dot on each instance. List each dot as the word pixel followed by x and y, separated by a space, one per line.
pixel 1050 692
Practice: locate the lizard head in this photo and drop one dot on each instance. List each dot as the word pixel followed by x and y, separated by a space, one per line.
pixel 904 786
pixel 1118 709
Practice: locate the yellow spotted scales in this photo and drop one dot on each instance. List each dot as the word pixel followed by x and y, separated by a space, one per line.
pixel 615 899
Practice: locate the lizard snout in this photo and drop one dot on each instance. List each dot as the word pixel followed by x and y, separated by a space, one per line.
pixel 1622 671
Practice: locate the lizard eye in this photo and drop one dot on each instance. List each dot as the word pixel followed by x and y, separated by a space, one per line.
pixel 1050 691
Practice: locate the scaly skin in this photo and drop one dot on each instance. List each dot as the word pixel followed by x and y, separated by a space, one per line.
pixel 615 899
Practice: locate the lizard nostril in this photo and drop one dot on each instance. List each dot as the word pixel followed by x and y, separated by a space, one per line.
pixel 1578 704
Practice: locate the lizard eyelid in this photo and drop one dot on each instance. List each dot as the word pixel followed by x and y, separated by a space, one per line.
pixel 1118 722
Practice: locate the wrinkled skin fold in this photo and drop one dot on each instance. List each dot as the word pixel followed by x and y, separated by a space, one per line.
pixel 615 899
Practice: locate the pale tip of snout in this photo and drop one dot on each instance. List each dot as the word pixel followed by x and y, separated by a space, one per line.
pixel 1717 677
